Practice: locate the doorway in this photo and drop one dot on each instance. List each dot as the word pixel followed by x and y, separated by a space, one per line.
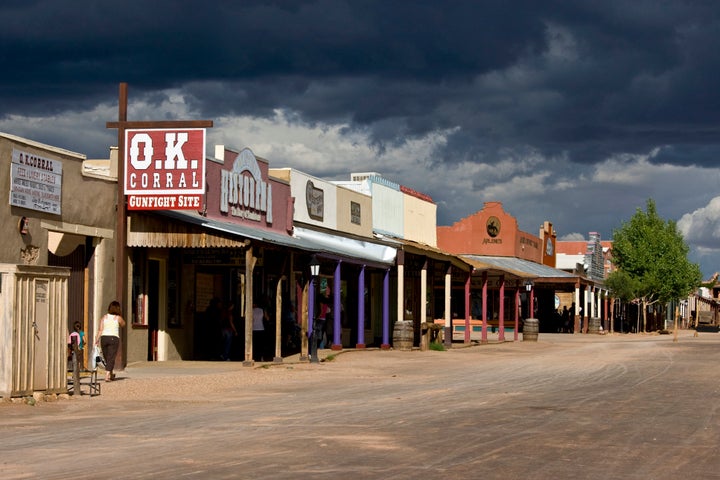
pixel 153 308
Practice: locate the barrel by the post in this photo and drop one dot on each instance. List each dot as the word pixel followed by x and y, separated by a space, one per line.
pixel 530 330
pixel 594 325
pixel 403 335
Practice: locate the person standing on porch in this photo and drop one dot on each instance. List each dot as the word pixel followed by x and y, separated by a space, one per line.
pixel 259 340
pixel 228 332
pixel 109 337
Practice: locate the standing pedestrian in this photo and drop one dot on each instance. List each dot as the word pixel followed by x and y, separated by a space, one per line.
pixel 259 318
pixel 77 337
pixel 228 332
pixel 109 337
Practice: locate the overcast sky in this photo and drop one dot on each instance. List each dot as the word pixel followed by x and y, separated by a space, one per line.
pixel 575 112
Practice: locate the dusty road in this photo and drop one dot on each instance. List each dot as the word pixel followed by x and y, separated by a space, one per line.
pixel 567 407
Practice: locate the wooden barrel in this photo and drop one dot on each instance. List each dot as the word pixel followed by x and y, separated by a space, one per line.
pixel 594 325
pixel 530 330
pixel 403 335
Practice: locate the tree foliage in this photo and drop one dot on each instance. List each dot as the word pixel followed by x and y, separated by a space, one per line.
pixel 622 286
pixel 651 259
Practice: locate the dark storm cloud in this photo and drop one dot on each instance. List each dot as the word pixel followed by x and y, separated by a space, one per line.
pixel 165 43
pixel 584 78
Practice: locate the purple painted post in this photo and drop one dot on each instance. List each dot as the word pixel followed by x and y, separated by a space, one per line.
pixel 386 311
pixel 361 309
pixel 337 326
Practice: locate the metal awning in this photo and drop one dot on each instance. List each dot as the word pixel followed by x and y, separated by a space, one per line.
pixel 348 247
pixel 356 250
pixel 519 268
pixel 417 248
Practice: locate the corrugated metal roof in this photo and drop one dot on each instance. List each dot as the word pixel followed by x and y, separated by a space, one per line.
pixel 517 266
pixel 431 252
pixel 304 239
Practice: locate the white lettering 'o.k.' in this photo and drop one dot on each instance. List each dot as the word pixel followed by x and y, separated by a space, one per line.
pixel 144 163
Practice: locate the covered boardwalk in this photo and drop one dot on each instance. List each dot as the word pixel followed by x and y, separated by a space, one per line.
pixel 537 289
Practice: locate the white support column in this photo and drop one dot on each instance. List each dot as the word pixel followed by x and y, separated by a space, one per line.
pixel 448 316
pixel 401 293
pixel 423 293
pixel 576 313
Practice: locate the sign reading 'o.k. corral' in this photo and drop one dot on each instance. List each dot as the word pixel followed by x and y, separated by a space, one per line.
pixel 36 182
pixel 243 192
pixel 164 168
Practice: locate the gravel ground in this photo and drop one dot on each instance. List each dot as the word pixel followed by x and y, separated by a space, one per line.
pixel 568 406
pixel 193 380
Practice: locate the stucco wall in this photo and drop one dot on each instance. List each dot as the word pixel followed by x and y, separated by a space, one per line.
pixel 420 220
pixel 388 208
pixel 491 231
pixel 85 202
pixel 354 205
pixel 316 200
pixel 276 215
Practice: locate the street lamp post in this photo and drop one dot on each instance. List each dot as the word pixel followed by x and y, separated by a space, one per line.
pixel 528 288
pixel 314 272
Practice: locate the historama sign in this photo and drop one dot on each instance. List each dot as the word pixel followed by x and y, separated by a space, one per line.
pixel 164 168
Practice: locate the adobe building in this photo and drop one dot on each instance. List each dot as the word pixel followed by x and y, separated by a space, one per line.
pixel 506 258
pixel 57 213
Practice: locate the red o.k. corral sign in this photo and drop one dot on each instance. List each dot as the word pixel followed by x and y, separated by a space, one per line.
pixel 164 168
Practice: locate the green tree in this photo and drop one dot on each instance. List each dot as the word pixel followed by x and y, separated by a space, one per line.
pixel 651 259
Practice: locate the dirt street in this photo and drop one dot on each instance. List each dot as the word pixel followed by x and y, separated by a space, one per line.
pixel 566 407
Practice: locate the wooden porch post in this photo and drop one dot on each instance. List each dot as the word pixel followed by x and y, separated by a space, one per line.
pixel 484 338
pixel 249 267
pixel 517 312
pixel 278 321
pixel 501 315
pixel 448 314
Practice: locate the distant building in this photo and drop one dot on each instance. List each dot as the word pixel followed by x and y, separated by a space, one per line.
pixel 593 256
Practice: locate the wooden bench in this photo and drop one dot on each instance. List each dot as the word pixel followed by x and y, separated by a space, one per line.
pixel 458 325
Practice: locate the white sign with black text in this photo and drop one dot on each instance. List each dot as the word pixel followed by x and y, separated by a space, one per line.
pixel 35 182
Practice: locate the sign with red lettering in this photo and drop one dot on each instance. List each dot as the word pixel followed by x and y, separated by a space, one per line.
pixel 164 168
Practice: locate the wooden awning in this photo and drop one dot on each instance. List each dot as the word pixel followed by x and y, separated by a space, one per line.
pixel 162 232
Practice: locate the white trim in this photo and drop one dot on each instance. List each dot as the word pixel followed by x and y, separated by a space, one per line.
pixel 76 229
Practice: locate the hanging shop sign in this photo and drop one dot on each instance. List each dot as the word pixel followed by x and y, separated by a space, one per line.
pixel 164 168
pixel 315 201
pixel 243 192
pixel 36 182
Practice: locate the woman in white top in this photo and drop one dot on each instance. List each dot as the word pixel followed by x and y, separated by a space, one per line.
pixel 109 337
